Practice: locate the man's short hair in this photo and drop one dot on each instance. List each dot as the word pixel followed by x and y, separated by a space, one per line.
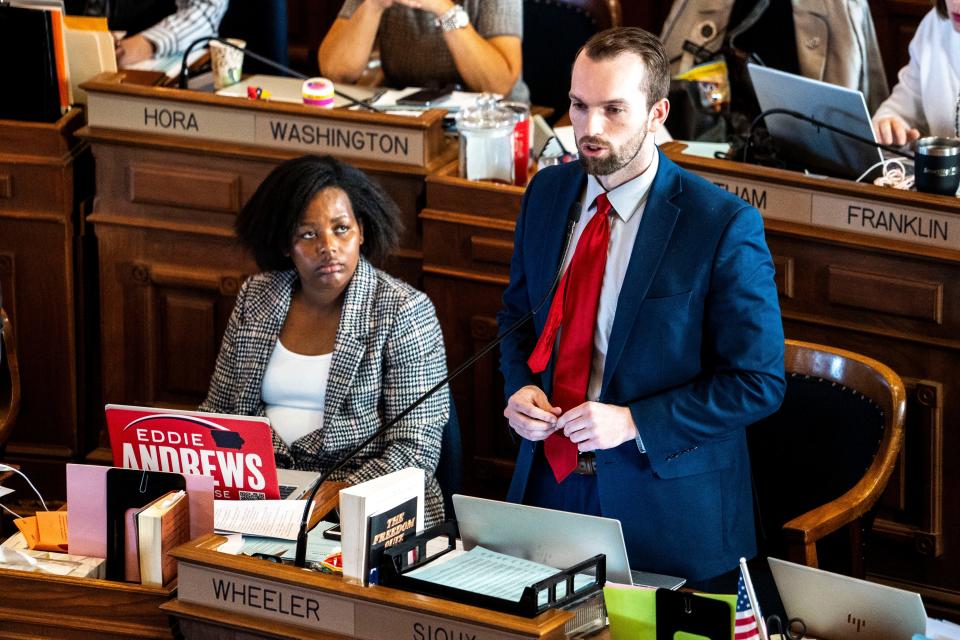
pixel 941 6
pixel 613 42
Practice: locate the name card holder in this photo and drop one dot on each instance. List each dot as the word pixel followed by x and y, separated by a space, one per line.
pixel 218 592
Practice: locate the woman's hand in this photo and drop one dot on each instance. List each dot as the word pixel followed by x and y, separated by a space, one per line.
pixel 133 49
pixel 894 131
pixel 436 7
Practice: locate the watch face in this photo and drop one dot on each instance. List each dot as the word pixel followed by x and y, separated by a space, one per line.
pixel 455 18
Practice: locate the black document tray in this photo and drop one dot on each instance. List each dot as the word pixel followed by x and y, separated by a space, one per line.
pixel 394 568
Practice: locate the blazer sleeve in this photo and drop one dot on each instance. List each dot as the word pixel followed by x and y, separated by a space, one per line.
pixel 414 362
pixel 516 348
pixel 906 100
pixel 743 376
pixel 225 381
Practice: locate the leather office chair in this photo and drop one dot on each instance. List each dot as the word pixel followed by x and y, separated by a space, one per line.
pixel 821 462
pixel 450 466
pixel 9 380
pixel 553 31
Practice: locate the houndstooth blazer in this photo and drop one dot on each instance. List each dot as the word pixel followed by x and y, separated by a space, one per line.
pixel 388 351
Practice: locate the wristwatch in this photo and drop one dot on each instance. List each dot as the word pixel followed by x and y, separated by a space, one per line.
pixel 455 18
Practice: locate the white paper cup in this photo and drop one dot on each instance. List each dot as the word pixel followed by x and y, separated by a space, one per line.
pixel 227 62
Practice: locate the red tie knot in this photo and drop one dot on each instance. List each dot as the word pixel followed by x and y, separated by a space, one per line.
pixel 603 204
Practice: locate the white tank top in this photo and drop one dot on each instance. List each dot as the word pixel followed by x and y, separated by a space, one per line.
pixel 294 388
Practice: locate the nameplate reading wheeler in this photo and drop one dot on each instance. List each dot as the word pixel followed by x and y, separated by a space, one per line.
pixel 313 609
pixel 888 220
pixel 321 135
pixel 772 200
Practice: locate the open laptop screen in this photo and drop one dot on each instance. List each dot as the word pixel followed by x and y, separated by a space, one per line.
pixel 802 143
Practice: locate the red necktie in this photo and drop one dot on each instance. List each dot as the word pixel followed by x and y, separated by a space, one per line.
pixel 575 307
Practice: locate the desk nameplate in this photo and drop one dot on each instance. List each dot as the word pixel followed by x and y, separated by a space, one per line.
pixel 310 132
pixel 313 609
pixel 848 213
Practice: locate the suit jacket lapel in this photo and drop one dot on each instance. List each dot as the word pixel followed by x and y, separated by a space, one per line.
pixel 659 217
pixel 351 339
pixel 261 343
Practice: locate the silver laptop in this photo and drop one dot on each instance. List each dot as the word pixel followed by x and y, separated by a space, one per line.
pixel 834 606
pixel 804 143
pixel 555 538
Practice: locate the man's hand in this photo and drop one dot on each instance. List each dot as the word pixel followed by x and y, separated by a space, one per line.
pixel 894 131
pixel 436 7
pixel 593 425
pixel 530 413
pixel 132 50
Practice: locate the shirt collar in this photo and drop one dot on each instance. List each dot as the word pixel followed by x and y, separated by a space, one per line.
pixel 626 198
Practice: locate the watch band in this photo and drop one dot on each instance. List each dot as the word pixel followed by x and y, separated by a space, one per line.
pixel 455 18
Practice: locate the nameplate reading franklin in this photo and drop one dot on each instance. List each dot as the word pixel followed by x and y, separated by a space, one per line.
pixel 772 200
pixel 265 599
pixel 240 125
pixel 887 220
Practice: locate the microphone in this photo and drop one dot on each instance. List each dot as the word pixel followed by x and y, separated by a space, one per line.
pixel 300 559
pixel 185 70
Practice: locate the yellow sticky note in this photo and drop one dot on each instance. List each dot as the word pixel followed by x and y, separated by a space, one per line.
pixel 52 526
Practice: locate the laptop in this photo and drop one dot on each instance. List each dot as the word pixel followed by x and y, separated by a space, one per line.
pixel 557 539
pixel 834 606
pixel 801 142
pixel 236 450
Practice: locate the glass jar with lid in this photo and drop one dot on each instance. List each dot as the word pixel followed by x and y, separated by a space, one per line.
pixel 486 141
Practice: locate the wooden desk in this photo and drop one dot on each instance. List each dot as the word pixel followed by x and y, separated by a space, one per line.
pixel 173 169
pixel 46 181
pixel 886 286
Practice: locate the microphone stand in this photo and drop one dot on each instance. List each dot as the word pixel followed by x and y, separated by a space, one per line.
pixel 817 123
pixel 185 70
pixel 300 559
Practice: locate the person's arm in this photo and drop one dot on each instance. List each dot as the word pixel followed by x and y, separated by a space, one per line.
pixel 193 19
pixel 743 352
pixel 346 48
pixel 414 361
pixel 223 383
pixel 901 116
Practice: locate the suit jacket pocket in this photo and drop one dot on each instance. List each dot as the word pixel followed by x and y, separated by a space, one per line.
pixel 704 458
pixel 677 303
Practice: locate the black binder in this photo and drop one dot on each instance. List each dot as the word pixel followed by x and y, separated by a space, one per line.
pixel 30 65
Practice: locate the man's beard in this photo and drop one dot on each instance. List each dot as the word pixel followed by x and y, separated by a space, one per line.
pixel 615 160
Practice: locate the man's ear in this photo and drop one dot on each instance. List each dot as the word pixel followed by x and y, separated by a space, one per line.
pixel 658 115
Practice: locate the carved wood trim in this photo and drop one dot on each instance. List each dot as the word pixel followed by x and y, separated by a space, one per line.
pixel 784 275
pixel 170 275
pixel 502 281
pixel 491 250
pixel 198 189
pixel 835 323
pixel 6 185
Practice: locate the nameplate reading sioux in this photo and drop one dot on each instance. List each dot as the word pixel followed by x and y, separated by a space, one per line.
pixel 773 201
pixel 243 125
pixel 887 220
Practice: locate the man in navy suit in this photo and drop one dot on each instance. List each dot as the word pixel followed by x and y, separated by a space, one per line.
pixel 687 344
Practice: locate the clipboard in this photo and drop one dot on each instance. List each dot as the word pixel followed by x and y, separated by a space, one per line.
pixel 681 611
pixel 131 489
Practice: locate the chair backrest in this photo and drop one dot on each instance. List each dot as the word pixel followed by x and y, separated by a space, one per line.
pixel 553 31
pixel 9 380
pixel 450 466
pixel 263 25
pixel 823 459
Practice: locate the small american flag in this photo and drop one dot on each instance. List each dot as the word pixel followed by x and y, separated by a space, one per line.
pixel 745 627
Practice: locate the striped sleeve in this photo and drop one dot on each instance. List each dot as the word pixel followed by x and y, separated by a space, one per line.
pixel 193 19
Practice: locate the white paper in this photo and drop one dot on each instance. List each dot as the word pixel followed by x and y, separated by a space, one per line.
pixel 170 65
pixel 269 518
pixel 490 573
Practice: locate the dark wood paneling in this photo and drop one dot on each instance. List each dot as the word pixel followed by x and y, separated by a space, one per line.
pixel 907 298
pixel 194 189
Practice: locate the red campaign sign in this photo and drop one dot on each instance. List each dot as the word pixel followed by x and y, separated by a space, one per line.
pixel 235 450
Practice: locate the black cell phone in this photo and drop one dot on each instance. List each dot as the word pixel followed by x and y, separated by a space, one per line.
pixel 425 97
pixel 333 533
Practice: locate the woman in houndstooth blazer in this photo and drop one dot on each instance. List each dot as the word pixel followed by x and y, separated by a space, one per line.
pixel 322 342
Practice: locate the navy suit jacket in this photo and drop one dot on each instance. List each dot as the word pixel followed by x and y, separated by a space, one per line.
pixel 695 352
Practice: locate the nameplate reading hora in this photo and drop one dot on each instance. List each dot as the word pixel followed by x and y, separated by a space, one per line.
pixel 887 220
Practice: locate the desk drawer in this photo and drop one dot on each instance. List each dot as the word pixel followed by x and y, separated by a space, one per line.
pixel 35 188
pixel 458 242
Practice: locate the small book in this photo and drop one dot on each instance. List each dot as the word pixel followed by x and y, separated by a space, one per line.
pixel 162 525
pixel 387 529
pixel 359 502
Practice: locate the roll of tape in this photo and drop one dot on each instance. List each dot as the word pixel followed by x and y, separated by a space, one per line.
pixel 318 92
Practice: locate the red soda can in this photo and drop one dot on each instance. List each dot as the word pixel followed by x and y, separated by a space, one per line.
pixel 521 140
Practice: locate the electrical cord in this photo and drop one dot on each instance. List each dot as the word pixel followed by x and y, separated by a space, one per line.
pixel 819 124
pixel 896 177
pixel 6 467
